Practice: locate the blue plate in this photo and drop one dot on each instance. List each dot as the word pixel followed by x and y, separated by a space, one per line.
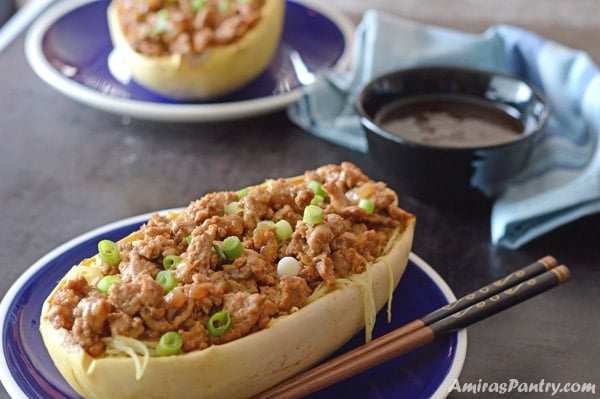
pixel 28 372
pixel 69 47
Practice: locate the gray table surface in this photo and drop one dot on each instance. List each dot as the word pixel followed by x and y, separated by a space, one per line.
pixel 66 168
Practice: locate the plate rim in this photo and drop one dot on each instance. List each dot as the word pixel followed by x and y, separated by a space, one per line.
pixel 15 392
pixel 460 352
pixel 168 112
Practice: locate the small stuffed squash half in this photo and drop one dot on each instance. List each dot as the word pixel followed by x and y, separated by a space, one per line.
pixel 232 294
pixel 195 49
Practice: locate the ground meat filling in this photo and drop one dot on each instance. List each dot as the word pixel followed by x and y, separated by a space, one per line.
pixel 163 27
pixel 343 243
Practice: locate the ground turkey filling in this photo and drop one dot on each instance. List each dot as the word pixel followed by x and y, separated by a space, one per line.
pixel 249 287
pixel 163 27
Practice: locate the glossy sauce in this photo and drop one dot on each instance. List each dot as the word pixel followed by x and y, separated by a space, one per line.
pixel 449 122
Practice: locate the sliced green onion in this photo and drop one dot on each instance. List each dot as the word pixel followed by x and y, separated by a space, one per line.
pixel 105 283
pixel 170 343
pixel 167 280
pixel 313 214
pixel 283 230
pixel 188 239
pixel 197 5
pixel 170 262
pixel 242 193
pixel 367 205
pixel 317 200
pixel 109 252
pixel 232 208
pixel 316 187
pixel 219 323
pixel 219 252
pixel 162 21
pixel 232 247
pixel 224 5
pixel 288 266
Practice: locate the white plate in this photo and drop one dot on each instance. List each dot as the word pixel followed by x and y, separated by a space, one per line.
pixel 69 48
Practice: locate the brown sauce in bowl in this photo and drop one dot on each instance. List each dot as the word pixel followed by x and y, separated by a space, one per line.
pixel 449 122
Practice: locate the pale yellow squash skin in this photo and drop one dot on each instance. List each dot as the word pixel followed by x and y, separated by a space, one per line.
pixel 241 368
pixel 216 72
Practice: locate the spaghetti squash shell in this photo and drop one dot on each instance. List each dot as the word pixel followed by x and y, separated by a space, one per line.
pixel 246 366
pixel 215 72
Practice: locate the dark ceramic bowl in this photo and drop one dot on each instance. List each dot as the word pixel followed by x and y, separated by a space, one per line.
pixel 450 135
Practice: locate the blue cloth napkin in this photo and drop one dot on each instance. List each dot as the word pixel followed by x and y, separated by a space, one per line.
pixel 561 180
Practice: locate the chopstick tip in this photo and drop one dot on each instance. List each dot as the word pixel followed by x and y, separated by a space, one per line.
pixel 548 261
pixel 563 273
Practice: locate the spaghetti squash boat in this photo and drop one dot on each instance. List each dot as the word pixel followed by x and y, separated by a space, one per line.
pixel 233 294
pixel 195 49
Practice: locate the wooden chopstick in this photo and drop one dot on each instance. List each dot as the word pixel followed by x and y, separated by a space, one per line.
pixel 539 266
pixel 491 299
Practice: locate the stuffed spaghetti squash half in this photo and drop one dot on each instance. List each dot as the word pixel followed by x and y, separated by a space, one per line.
pixel 195 49
pixel 233 294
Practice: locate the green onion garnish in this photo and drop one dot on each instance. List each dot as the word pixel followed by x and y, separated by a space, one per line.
pixel 317 200
pixel 232 247
pixel 170 343
pixel 197 5
pixel 288 266
pixel 316 188
pixel 224 5
pixel 242 193
pixel 188 239
pixel 283 230
pixel 219 323
pixel 109 252
pixel 105 283
pixel 162 21
pixel 232 208
pixel 170 262
pixel 367 205
pixel 219 252
pixel 313 214
pixel 167 280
